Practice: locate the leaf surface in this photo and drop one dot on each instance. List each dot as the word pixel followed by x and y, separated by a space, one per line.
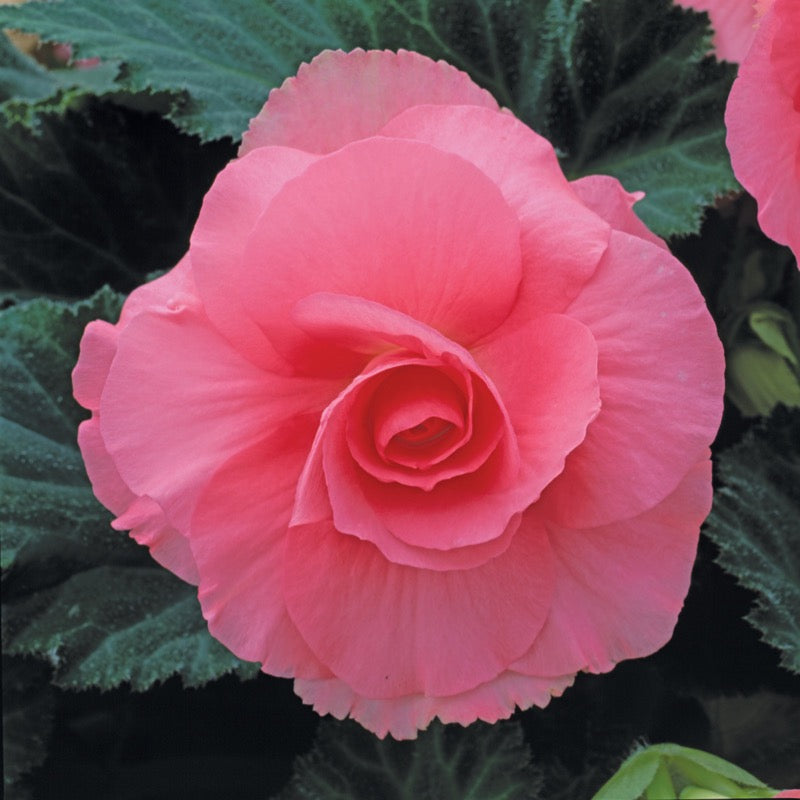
pixel 621 87
pixel 755 523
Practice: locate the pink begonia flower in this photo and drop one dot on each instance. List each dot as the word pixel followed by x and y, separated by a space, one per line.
pixel 734 23
pixel 787 793
pixel 763 121
pixel 427 424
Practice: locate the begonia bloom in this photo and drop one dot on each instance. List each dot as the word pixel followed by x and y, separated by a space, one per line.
pixel 763 121
pixel 427 424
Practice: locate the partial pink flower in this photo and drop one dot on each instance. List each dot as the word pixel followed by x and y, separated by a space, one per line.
pixel 734 23
pixel 787 793
pixel 62 53
pixel 763 120
pixel 427 424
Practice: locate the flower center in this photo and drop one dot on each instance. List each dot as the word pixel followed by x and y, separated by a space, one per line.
pixel 425 433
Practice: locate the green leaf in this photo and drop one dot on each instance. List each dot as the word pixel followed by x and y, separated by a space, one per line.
pixel 622 87
pixel 27 89
pixel 109 625
pixel 446 762
pixel 103 196
pixel 641 101
pixel 754 522
pixel 76 592
pixel 632 779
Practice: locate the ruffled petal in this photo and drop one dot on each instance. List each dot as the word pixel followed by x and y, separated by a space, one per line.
pixel 179 401
pixel 557 259
pixel 643 441
pixel 620 587
pixel 404 717
pixel 449 631
pixel 141 515
pixel 341 97
pixel 238 538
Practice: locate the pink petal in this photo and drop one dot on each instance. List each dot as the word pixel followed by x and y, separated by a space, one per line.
pixel 404 717
pixel 606 197
pixel 734 23
pixel 148 526
pixel 764 131
pixel 234 203
pixel 341 97
pixel 467 530
pixel 557 259
pixel 179 401
pixel 238 537
pixel 396 222
pixel 142 515
pixel 620 587
pixel 98 348
pixel 661 376
pixel 99 341
pixel 546 375
pixel 178 283
pixel 395 630
pixel 440 400
pixel 462 511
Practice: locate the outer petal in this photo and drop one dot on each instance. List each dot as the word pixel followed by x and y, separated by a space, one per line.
pixel 179 401
pixel 392 221
pixel 450 631
pixel 177 286
pixel 557 259
pixel 620 587
pixel 403 717
pixel 142 515
pixel 233 204
pixel 764 134
pixel 607 198
pixel 98 348
pixel 238 538
pixel 643 442
pixel 341 97
pixel 99 341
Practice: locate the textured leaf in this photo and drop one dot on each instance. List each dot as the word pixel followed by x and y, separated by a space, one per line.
pixel 622 87
pixel 103 196
pixel 107 625
pixel 446 762
pixel 641 101
pixel 27 88
pixel 76 592
pixel 755 523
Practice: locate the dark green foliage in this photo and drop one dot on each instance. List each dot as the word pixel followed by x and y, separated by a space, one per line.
pixel 102 196
pixel 446 762
pixel 621 87
pixel 756 525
